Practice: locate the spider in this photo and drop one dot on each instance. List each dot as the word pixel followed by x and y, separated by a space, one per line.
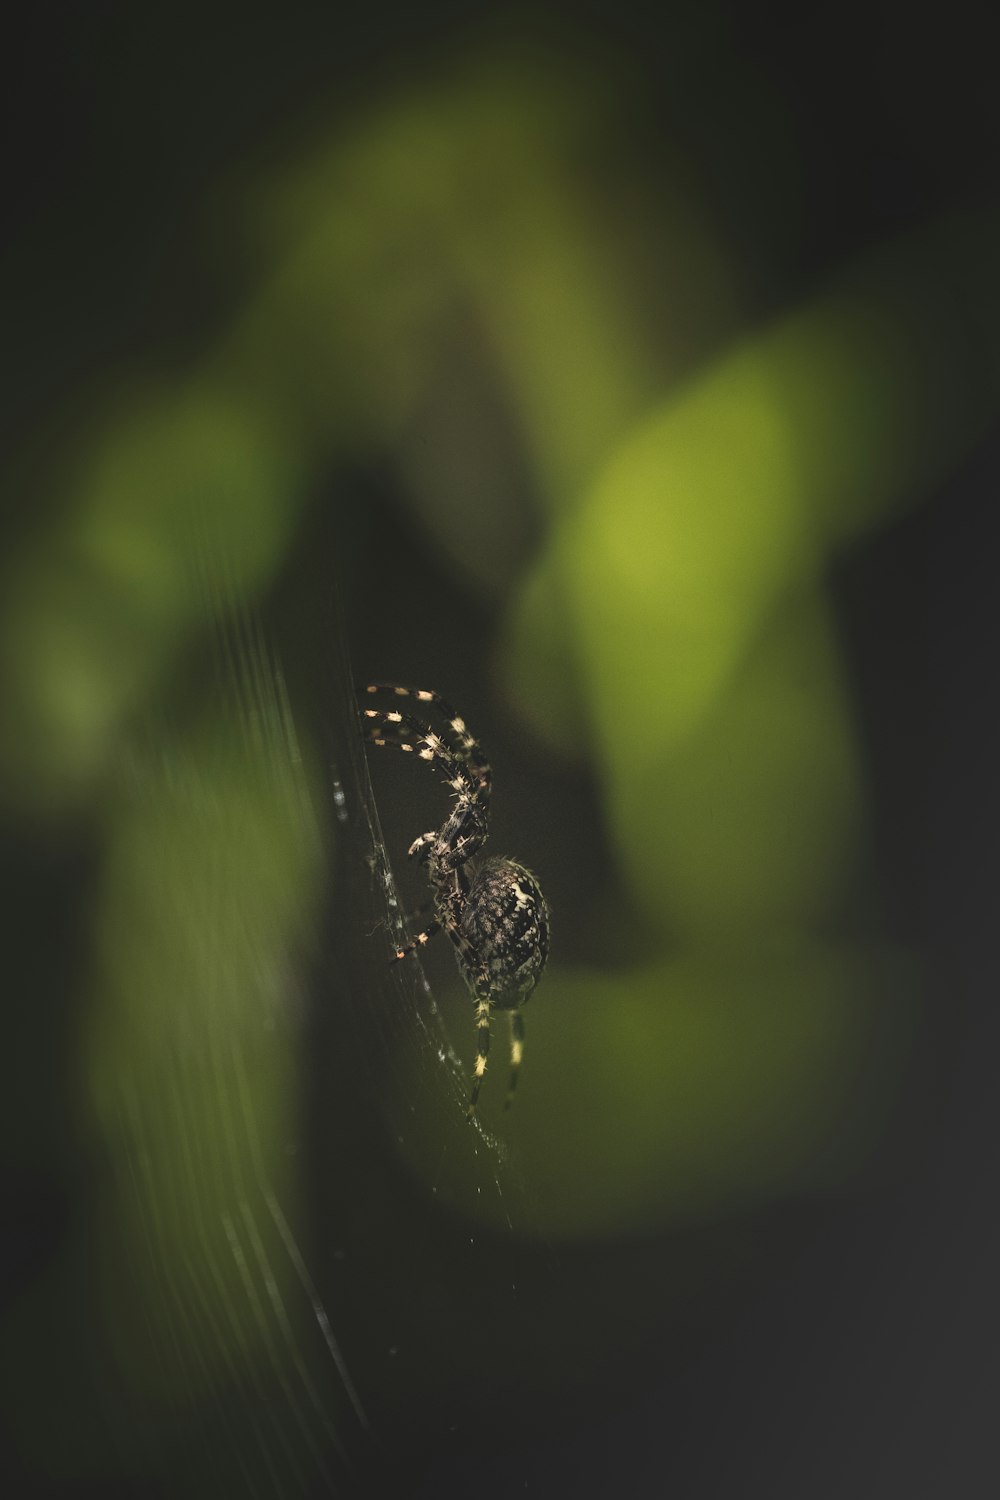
pixel 493 911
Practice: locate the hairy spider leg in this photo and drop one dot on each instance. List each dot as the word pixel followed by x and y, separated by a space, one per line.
pixel 464 832
pixel 390 727
pixel 465 744
pixel 482 1052
pixel 516 1052
pixel 450 890
pixel 420 941
pixel 423 937
pixel 397 731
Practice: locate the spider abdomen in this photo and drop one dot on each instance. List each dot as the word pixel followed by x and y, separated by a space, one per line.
pixel 505 923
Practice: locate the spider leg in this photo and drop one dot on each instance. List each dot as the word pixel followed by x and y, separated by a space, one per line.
pixel 420 941
pixel 464 831
pixel 465 744
pixel 516 1052
pixel 423 842
pixel 409 734
pixel 482 1052
pixel 401 731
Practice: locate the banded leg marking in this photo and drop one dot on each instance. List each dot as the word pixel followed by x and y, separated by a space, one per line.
pixel 516 1052
pixel 420 941
pixel 482 1052
pixel 467 744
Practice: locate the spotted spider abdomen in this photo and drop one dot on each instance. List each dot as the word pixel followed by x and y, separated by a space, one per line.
pixel 506 926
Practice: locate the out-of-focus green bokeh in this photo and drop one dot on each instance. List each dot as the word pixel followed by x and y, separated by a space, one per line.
pixel 678 584
pixel 475 283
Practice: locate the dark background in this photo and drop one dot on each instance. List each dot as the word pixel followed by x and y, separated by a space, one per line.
pixel 860 1356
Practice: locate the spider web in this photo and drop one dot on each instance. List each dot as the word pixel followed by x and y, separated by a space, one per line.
pixel 264 1091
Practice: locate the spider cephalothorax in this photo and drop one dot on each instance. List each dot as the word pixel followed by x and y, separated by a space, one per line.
pixel 493 911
